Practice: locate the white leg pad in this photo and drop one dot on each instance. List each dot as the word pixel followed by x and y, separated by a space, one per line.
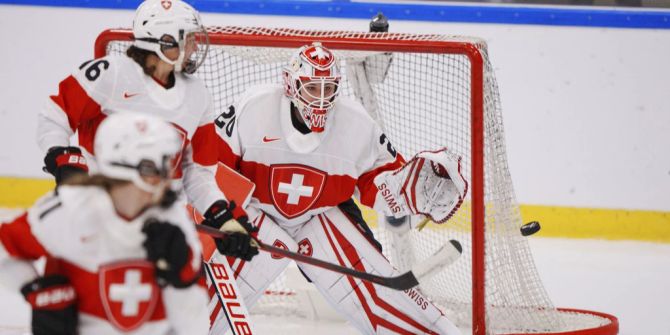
pixel 372 309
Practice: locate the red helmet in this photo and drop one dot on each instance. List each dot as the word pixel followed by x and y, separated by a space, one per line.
pixel 312 80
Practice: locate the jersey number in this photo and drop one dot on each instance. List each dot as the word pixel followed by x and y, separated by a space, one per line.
pixel 226 121
pixel 93 71
pixel 389 147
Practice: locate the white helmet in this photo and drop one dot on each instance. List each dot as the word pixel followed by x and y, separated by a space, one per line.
pixel 312 81
pixel 160 25
pixel 129 146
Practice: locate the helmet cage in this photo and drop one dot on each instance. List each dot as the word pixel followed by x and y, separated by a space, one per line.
pixel 315 97
pixel 327 88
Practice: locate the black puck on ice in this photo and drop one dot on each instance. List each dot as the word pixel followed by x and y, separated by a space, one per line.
pixel 530 228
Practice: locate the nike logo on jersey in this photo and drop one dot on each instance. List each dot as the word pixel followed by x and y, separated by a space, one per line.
pixel 266 139
pixel 129 95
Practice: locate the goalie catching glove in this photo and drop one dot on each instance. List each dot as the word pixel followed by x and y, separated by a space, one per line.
pixel 430 184
pixel 233 221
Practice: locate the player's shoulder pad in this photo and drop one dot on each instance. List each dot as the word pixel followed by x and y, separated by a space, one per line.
pixel 256 94
pixel 194 82
pixel 353 111
pixel 70 203
pixel 99 74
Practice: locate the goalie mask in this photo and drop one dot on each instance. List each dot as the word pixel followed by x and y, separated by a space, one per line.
pixel 312 81
pixel 132 146
pixel 167 26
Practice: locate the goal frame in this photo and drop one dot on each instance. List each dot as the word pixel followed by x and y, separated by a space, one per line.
pixel 477 66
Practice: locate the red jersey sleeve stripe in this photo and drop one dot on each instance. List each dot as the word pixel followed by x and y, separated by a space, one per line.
pixel 227 156
pixel 366 184
pixel 204 143
pixel 188 273
pixel 75 102
pixel 19 241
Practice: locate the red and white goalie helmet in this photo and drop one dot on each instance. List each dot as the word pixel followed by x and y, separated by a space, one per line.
pixel 312 80
pixel 132 146
pixel 160 25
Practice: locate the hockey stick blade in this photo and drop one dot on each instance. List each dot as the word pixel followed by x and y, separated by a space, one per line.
pixel 404 281
pixel 446 255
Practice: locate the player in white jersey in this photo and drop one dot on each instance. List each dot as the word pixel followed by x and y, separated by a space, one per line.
pixel 154 77
pixel 309 151
pixel 126 257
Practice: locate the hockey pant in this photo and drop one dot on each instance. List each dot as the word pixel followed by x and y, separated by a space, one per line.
pixel 332 236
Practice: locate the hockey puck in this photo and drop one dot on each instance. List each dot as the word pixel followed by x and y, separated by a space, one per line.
pixel 530 228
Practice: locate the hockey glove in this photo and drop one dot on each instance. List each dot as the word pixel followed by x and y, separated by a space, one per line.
pixel 53 301
pixel 233 221
pixel 64 162
pixel 430 184
pixel 167 248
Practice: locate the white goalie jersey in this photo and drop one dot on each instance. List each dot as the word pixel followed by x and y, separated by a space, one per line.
pixel 300 175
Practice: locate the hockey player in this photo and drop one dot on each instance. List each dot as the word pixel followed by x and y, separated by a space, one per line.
pixel 154 77
pixel 309 151
pixel 127 257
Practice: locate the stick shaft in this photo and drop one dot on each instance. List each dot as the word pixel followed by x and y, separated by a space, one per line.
pixel 402 282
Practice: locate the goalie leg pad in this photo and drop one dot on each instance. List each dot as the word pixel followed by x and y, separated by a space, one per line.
pixel 372 309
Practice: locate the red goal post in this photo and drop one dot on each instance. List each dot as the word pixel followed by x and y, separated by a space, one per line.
pixel 445 65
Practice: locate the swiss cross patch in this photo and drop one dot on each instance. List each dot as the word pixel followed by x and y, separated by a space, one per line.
pixel 295 188
pixel 166 4
pixel 318 56
pixel 281 245
pixel 129 293
pixel 305 247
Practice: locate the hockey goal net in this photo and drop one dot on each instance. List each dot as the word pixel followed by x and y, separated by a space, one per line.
pixel 427 92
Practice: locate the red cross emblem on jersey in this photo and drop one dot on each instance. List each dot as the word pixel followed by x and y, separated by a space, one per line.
pixel 129 293
pixel 305 247
pixel 281 245
pixel 166 4
pixel 295 188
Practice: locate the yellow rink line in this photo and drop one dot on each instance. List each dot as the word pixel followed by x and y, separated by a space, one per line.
pixel 22 192
pixel 569 222
pixel 612 224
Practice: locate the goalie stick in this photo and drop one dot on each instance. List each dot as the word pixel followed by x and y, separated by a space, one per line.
pixel 222 279
pixel 445 256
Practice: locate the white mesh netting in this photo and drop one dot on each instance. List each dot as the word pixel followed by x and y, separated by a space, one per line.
pixel 423 101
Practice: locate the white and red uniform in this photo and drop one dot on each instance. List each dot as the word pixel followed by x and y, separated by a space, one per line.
pixel 300 180
pixel 102 256
pixel 116 84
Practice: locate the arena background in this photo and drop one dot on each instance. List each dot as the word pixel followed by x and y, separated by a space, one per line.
pixel 584 93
